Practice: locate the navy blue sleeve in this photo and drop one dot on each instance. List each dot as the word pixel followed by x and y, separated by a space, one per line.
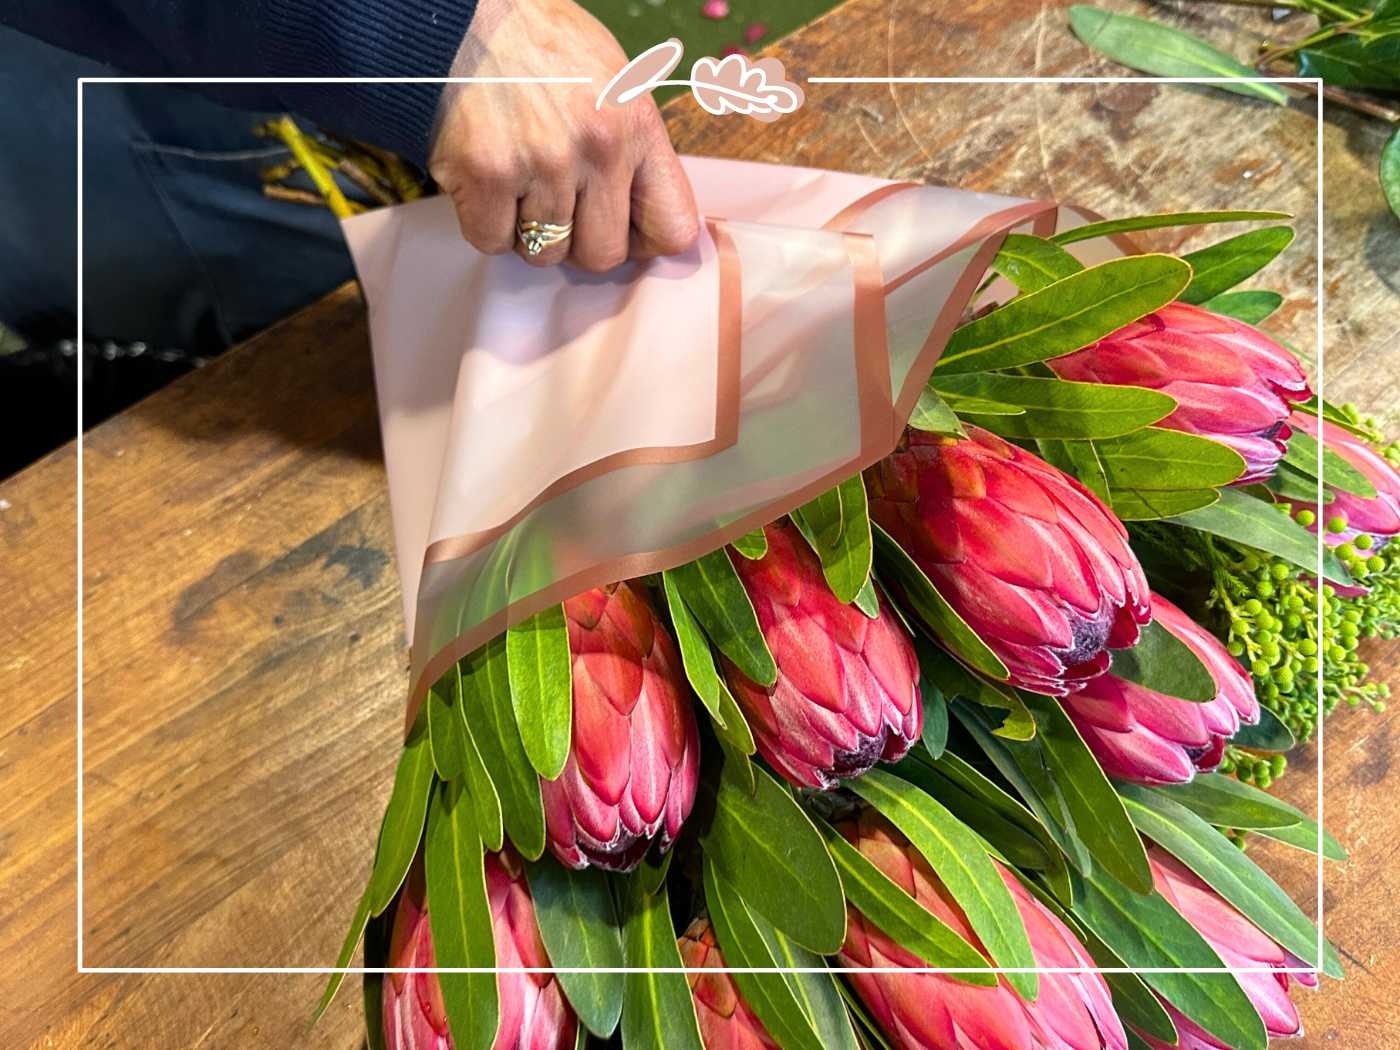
pixel 272 38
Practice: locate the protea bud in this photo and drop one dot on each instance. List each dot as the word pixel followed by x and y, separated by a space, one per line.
pixel 847 693
pixel 726 1021
pixel 1028 556
pixel 635 753
pixel 533 1012
pixel 1346 517
pixel 1231 382
pixel 933 1011
pixel 1240 945
pixel 1142 735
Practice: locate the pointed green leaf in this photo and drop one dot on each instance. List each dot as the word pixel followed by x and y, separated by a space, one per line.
pixel 954 680
pixel 1157 222
pixel 1336 471
pixel 402 828
pixel 1163 50
pixel 658 1012
pixel 1065 316
pixel 935 732
pixel 1224 867
pixel 541 688
pixel 712 592
pixel 491 722
pixel 1165 664
pixel 347 952
pixel 1348 61
pixel 1268 528
pixel 1249 307
pixel 932 413
pixel 818 993
pixel 752 545
pixel 1031 263
pixel 1304 836
pixel 579 927
pixel 486 803
pixel 377 935
pixel 1081 459
pixel 1227 802
pixel 907 922
pixel 837 526
pixel 764 844
pixel 963 866
pixel 1221 266
pixel 460 918
pixel 699 663
pixel 445 729
pixel 1157 458
pixel 1059 408
pixel 924 601
pixel 1390 171
pixel 1154 505
pixel 1147 933
pixel 1268 734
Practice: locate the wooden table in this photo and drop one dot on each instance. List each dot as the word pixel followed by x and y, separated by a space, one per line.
pixel 245 667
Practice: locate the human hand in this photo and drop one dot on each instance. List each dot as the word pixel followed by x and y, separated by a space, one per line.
pixel 545 152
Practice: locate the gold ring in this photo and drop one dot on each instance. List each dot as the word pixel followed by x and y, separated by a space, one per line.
pixel 537 236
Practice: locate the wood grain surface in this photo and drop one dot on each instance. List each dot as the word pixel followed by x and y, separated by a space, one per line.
pixel 245 668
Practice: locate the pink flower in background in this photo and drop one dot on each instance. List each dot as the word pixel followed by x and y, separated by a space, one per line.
pixel 635 753
pixel 726 1021
pixel 754 32
pixel 1240 945
pixel 847 694
pixel 1028 556
pixel 933 1011
pixel 1141 735
pixel 715 9
pixel 533 1012
pixel 1232 383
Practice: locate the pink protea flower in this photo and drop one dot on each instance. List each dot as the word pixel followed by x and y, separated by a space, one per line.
pixel 1141 735
pixel 726 1020
pixel 1028 556
pixel 847 693
pixel 1377 516
pixel 1240 945
pixel 635 755
pixel 533 1012
pixel 1232 383
pixel 933 1011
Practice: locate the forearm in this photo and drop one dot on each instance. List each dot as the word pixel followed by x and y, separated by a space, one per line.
pixel 277 38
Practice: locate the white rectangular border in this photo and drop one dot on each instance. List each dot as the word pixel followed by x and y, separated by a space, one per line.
pixel 1314 82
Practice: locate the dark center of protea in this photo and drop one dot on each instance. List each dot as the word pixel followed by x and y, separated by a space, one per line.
pixel 1088 636
pixel 855 762
pixel 1272 431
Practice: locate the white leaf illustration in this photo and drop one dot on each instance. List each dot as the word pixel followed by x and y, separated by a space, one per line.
pixel 732 85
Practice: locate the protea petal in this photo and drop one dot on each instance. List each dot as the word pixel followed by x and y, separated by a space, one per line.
pixel 634 756
pixel 847 693
pixel 1032 560
pixel 726 1020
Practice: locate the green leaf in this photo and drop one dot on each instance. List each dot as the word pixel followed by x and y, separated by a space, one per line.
pixel 347 952
pixel 1268 734
pixel 541 688
pixel 1303 835
pixel 1065 316
pixel 1221 266
pixel 1165 664
pixel 1348 61
pixel 491 721
pixel 1249 307
pixel 1031 263
pixel 964 868
pixel 1134 505
pixel 867 599
pixel 658 1012
pixel 1336 472
pixel 1156 458
pixel 700 670
pixel 742 944
pixel 932 413
pixel 460 919
pixel 1156 222
pixel 1224 867
pixel 752 545
pixel 1079 458
pixel 1147 933
pixel 444 731
pixel 769 849
pixel 924 601
pixel 1162 50
pixel 1228 802
pixel 907 922
pixel 402 828
pixel 953 679
pixel 819 993
pixel 982 407
pixel 376 953
pixel 711 590
pixel 1265 527
pixel 935 731
pixel 1291 483
pixel 1390 171
pixel 837 525
pixel 486 803
pixel 579 927
pixel 1059 408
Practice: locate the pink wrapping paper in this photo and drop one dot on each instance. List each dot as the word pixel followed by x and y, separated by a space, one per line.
pixel 547 431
